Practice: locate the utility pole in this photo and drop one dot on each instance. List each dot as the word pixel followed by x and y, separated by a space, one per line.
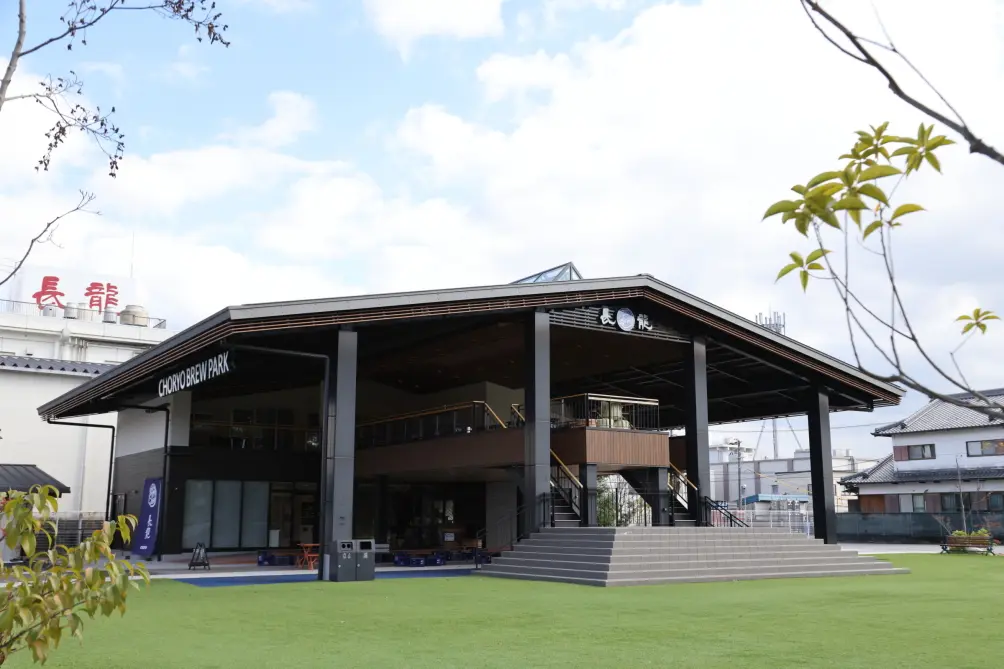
pixel 962 500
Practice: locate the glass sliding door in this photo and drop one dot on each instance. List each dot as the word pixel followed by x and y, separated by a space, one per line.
pixel 254 515
pixel 227 514
pixel 198 514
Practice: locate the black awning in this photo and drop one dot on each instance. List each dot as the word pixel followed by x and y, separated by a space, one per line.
pixel 22 477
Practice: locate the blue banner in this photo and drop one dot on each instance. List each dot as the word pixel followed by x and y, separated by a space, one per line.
pixel 145 537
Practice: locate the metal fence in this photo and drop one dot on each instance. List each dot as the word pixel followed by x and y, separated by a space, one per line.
pixel 76 312
pixel 795 521
pixel 618 504
pixel 913 527
pixel 72 527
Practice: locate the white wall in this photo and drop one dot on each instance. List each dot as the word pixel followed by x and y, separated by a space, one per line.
pixel 948 445
pixel 140 431
pixel 76 456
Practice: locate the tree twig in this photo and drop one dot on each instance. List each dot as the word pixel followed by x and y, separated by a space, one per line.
pixel 45 234
pixel 864 55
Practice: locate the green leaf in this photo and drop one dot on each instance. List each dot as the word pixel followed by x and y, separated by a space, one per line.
pixel 938 141
pixel 802 224
pixel 797 258
pixel 824 191
pixel 969 326
pixel 904 209
pixel 878 172
pixel 874 192
pixel 799 189
pixel 822 178
pixel 850 202
pixel 814 266
pixel 827 216
pixel 787 269
pixel 982 327
pixel 881 129
pixel 781 206
pixel 872 227
pixel 904 151
pixel 804 278
pixel 933 160
pixel 816 255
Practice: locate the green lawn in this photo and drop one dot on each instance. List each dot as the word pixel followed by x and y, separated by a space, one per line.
pixel 947 613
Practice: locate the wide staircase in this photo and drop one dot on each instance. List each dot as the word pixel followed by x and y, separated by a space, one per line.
pixel 604 556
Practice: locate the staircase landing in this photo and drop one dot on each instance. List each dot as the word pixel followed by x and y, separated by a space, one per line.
pixel 652 555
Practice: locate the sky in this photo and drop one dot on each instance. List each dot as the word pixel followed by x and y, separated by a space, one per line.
pixel 368 145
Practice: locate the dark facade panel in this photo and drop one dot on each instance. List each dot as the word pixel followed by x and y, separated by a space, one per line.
pixel 130 473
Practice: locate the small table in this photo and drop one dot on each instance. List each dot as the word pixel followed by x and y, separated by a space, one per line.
pixel 308 560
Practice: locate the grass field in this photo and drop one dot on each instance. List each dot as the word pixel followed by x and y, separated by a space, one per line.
pixel 946 613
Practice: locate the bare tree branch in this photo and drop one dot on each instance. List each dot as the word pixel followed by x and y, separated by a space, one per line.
pixel 47 231
pixel 57 94
pixel 864 55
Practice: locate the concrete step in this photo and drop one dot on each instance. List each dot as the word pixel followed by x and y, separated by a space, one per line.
pixel 644 558
pixel 748 576
pixel 689 572
pixel 593 555
pixel 659 546
pixel 746 563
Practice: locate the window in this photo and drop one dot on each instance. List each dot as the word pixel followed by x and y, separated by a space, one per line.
pixel 975 449
pixel 951 501
pixel 997 501
pixel 922 452
pixel 918 503
pixel 774 490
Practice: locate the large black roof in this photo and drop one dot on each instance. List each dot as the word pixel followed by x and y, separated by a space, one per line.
pixel 364 310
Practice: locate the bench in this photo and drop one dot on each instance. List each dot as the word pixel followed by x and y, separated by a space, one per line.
pixel 983 543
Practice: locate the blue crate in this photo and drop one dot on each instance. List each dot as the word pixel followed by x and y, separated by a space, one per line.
pixel 416 562
pixel 401 560
pixel 435 560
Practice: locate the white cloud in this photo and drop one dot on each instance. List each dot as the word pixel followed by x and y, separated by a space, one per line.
pixel 504 75
pixel 404 22
pixel 280 6
pixel 185 67
pixel 114 71
pixel 654 151
pixel 293 115
pixel 658 150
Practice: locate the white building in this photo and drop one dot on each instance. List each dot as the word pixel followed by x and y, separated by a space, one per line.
pixel 944 456
pixel 56 332
pixel 736 475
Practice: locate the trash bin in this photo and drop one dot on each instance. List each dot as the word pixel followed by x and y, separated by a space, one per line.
pixel 365 559
pixel 345 569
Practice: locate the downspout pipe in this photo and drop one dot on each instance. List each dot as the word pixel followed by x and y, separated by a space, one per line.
pixel 111 460
pixel 323 419
pixel 162 510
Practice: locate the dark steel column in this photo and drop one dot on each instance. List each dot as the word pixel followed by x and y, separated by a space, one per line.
pixel 824 514
pixel 383 509
pixel 698 455
pixel 587 477
pixel 537 432
pixel 340 449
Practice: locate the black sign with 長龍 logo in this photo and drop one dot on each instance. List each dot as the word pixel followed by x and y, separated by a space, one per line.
pixel 208 369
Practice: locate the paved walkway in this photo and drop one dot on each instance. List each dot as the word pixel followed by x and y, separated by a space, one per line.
pixel 891 549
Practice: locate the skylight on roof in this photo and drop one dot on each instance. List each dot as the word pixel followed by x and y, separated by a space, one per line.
pixel 565 272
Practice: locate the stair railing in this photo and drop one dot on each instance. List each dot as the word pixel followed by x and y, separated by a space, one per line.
pixel 510 534
pixel 566 484
pixel 716 514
